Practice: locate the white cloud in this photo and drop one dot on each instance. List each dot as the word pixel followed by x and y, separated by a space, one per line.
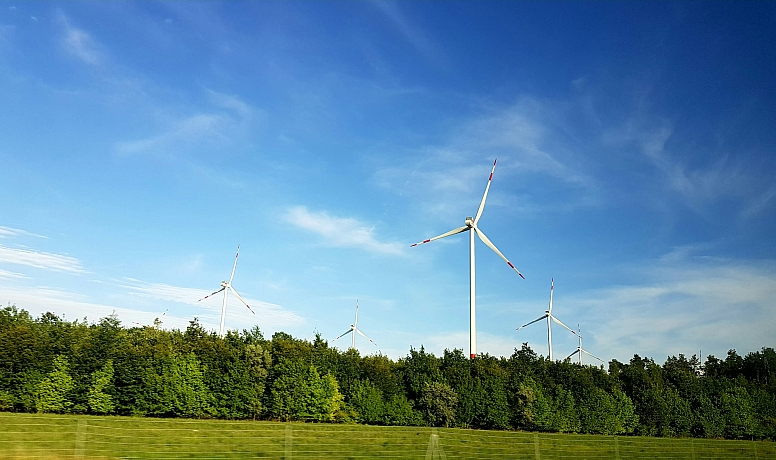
pixel 341 232
pixel 697 186
pixel 529 141
pixel 5 274
pixel 44 260
pixel 231 102
pixel 268 315
pixel 759 204
pixel 414 35
pixel 8 232
pixel 193 129
pixel 528 132
pixel 71 306
pixel 204 128
pixel 79 43
pixel 681 307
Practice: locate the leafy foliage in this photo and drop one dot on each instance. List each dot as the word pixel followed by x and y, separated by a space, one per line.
pixel 48 364
pixel 53 392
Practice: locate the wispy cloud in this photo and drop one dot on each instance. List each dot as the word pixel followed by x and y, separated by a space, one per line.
pixel 190 130
pixel 204 128
pixel 697 186
pixel 412 33
pixel 341 232
pixel 5 274
pixel 43 260
pixel 529 133
pixel 759 204
pixel 529 141
pixel 8 232
pixel 71 306
pixel 231 102
pixel 683 306
pixel 79 44
pixel 269 315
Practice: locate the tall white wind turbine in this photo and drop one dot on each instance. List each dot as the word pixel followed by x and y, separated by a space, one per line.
pixel 471 224
pixel 226 287
pixel 550 319
pixel 353 330
pixel 581 350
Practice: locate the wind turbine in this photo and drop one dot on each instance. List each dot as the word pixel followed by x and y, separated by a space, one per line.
pixel 157 322
pixel 354 328
pixel 226 287
pixel 581 350
pixel 471 224
pixel 550 318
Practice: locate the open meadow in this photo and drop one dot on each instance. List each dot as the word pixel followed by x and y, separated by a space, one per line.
pixel 53 436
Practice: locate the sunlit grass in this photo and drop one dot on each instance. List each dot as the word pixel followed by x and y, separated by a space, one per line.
pixel 58 436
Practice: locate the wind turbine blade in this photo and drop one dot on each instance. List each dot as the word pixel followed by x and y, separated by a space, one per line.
pixel 355 323
pixel 451 232
pixel 485 196
pixel 528 324
pixel 487 241
pixel 364 335
pixel 235 264
pixel 343 335
pixel 552 289
pixel 594 356
pixel 241 299
pixel 200 300
pixel 559 322
pixel 572 354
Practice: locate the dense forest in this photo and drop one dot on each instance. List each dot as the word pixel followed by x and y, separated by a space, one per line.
pixel 48 364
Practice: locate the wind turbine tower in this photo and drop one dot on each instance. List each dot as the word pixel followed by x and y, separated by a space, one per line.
pixel 550 318
pixel 581 350
pixel 226 287
pixel 353 330
pixel 471 225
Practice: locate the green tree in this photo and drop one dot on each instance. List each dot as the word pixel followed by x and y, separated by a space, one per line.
pixel 367 401
pixel 738 413
pixel 175 387
pixel 438 401
pixel 99 398
pixel 298 392
pixel 604 413
pixel 53 392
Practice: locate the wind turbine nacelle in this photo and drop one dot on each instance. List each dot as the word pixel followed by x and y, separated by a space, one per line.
pixel 469 221
pixel 223 283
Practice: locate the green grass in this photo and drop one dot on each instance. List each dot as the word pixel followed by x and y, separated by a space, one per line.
pixel 55 436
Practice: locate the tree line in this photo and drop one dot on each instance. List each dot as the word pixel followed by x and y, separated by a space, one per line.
pixel 48 364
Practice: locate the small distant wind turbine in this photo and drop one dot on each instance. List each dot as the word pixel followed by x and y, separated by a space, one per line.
pixel 157 321
pixel 226 287
pixel 353 329
pixel 581 350
pixel 315 331
pixel 471 224
pixel 550 318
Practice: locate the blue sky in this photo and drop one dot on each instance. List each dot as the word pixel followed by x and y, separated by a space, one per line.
pixel 140 143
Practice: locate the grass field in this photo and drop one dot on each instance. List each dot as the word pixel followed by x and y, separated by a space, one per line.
pixel 51 436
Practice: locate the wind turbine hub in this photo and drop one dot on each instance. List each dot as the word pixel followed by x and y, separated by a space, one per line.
pixel 469 221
